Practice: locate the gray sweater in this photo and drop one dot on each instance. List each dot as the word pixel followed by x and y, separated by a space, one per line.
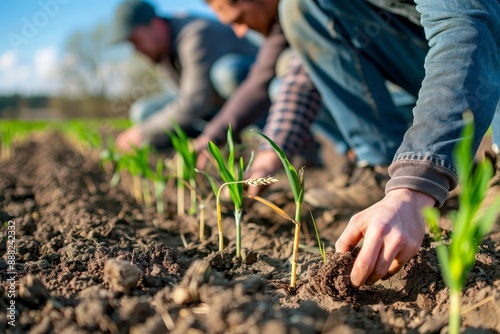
pixel 196 44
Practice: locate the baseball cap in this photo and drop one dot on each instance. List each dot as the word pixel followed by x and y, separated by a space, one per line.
pixel 128 15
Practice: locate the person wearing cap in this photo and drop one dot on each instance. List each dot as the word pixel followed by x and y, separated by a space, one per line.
pixel 204 58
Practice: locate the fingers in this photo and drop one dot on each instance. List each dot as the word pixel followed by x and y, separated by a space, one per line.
pixel 201 161
pixel 385 250
pixel 121 143
pixel 365 262
pixel 395 267
pixel 386 259
pixel 201 143
pixel 405 255
pixel 124 146
pixel 393 230
pixel 350 237
pixel 128 139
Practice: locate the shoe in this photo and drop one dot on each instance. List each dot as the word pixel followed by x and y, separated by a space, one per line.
pixel 365 187
pixel 342 171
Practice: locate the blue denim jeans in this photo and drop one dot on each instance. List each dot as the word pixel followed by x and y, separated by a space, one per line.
pixel 463 73
pixel 326 126
pixel 351 47
pixel 146 106
pixel 228 72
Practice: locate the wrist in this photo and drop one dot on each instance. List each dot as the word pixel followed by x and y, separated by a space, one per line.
pixel 413 196
pixel 201 143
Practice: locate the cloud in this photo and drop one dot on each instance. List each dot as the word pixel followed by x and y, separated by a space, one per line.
pixel 45 62
pixel 12 73
pixel 30 76
pixel 7 59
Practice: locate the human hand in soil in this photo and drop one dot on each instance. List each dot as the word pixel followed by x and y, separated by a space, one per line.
pixel 200 145
pixel 265 163
pixel 393 230
pixel 129 138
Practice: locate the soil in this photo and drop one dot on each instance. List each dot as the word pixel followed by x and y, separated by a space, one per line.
pixel 89 259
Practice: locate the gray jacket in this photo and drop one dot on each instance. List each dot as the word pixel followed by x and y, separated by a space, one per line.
pixel 196 44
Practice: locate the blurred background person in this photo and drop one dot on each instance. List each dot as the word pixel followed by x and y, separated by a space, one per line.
pixel 203 57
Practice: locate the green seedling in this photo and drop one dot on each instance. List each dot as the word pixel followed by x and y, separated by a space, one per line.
pixel 6 136
pixel 143 172
pixel 321 246
pixel 121 163
pixel 109 155
pixel 83 135
pixel 119 123
pixel 15 132
pixel 232 176
pixel 186 164
pixel 470 224
pixel 137 166
pixel 128 163
pixel 160 183
pixel 296 180
pixel 124 171
pixel 202 205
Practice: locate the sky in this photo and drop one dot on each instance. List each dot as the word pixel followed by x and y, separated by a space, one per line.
pixel 33 33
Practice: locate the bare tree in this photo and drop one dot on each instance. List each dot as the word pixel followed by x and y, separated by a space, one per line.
pixel 94 68
pixel 86 55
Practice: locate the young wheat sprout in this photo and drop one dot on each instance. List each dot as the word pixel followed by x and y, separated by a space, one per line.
pixel 253 182
pixel 296 180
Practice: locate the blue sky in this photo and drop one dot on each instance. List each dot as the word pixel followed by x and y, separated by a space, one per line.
pixel 33 33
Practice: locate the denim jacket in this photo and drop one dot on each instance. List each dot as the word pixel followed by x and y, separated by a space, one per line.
pixel 462 73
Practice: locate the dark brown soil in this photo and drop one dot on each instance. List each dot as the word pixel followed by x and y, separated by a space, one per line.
pixel 91 260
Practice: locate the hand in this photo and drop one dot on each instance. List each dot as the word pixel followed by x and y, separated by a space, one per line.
pixel 200 146
pixel 393 230
pixel 129 138
pixel 265 163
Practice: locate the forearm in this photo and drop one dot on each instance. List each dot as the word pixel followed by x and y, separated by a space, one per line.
pixel 462 71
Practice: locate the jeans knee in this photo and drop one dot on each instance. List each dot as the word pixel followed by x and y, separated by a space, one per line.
pixel 228 72
pixel 137 113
